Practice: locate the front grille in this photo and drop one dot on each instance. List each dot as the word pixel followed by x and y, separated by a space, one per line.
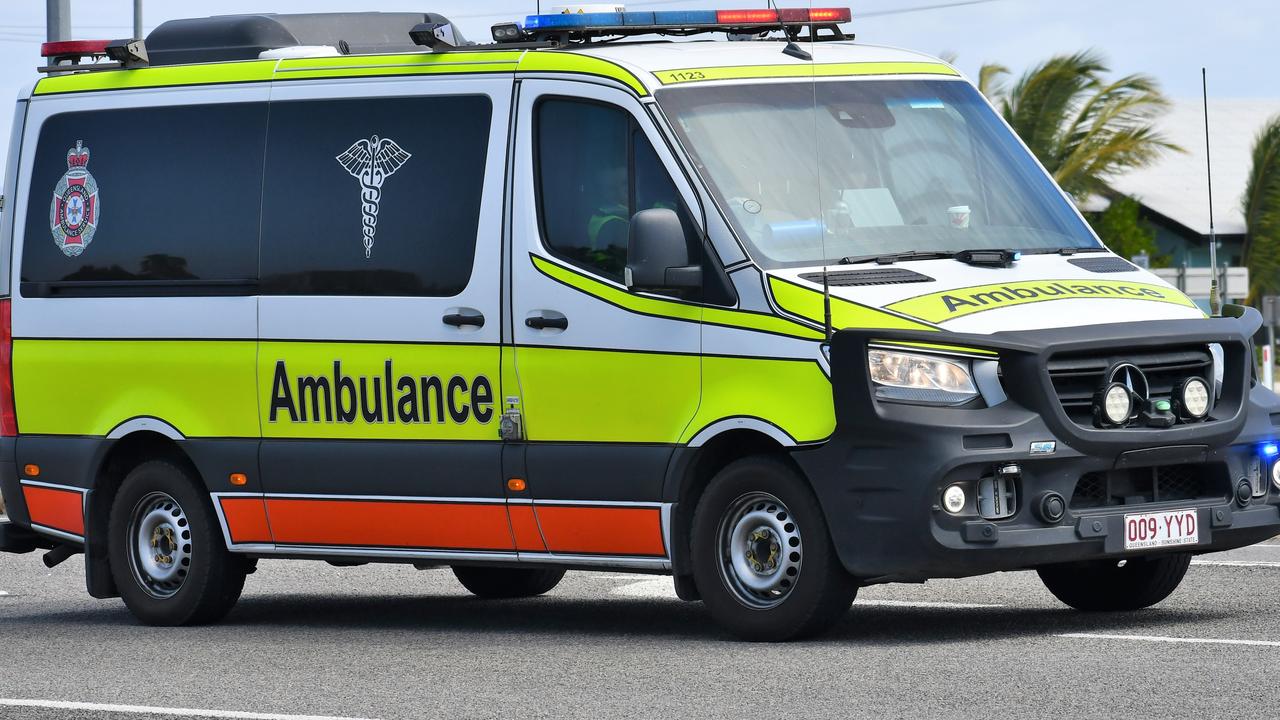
pixel 1077 376
pixel 1139 486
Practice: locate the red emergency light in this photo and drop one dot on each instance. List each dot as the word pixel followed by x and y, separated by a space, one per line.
pixel 784 16
pixel 74 48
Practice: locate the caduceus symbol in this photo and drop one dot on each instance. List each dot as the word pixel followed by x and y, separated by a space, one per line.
pixel 371 162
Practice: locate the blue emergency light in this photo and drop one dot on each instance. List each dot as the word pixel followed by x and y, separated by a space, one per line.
pixel 668 20
pixel 1270 450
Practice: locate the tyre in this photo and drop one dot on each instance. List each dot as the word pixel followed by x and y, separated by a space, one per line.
pixel 503 583
pixel 762 556
pixel 167 553
pixel 1111 585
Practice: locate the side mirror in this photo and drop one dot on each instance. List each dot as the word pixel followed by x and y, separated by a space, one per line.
pixel 657 255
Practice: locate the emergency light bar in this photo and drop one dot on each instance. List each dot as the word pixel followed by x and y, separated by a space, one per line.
pixel 680 22
pixel 67 54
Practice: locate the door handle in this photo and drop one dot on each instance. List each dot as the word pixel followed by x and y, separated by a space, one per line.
pixel 461 319
pixel 539 322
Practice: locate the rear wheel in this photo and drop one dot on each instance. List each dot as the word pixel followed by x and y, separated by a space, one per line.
pixel 1116 585
pixel 167 554
pixel 763 559
pixel 501 583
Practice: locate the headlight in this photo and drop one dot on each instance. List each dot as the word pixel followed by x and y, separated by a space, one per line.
pixel 920 378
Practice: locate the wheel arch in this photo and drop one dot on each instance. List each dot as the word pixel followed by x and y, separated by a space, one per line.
pixel 694 466
pixel 122 453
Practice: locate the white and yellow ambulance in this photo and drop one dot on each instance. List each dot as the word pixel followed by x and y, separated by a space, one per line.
pixel 781 317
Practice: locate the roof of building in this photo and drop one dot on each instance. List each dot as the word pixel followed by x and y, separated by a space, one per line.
pixel 1175 186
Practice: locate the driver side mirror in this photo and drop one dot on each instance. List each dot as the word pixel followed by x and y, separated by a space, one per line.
pixel 657 254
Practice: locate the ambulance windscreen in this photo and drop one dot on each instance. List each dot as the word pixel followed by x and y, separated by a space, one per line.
pixel 902 165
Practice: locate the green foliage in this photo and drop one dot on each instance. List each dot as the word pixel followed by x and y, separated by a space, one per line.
pixel 1262 213
pixel 1083 128
pixel 1127 234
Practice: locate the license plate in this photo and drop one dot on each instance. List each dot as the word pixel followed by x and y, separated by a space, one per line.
pixel 1161 529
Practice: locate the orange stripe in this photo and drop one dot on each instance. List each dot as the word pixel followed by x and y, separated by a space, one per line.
pixel 246 520
pixel 603 531
pixel 58 509
pixel 296 521
pixel 524 525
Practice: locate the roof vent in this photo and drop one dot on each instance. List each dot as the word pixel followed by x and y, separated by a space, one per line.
pixel 246 37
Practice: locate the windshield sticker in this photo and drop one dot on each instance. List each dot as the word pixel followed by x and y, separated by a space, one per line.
pixel 76 207
pixel 952 304
pixel 371 162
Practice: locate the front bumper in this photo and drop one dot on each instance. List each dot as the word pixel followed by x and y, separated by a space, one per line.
pixel 881 475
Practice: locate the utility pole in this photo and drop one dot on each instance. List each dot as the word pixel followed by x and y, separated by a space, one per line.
pixel 137 19
pixel 58 20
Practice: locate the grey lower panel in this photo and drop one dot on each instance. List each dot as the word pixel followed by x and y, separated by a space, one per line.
pixel 597 471
pixel 375 467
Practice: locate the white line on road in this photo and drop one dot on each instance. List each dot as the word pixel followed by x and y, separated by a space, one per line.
pixel 923 604
pixel 1237 563
pixel 168 712
pixel 1161 639
pixel 4 593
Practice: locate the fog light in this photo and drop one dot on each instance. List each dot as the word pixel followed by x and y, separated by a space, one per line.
pixel 953 499
pixel 1191 399
pixel 1112 406
pixel 1275 475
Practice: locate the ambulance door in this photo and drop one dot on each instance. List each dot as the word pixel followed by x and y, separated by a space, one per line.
pixel 379 354
pixel 608 377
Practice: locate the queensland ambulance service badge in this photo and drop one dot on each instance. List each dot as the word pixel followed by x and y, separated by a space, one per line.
pixel 76 207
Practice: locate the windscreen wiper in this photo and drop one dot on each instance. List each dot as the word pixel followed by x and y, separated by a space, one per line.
pixel 1065 250
pixel 980 258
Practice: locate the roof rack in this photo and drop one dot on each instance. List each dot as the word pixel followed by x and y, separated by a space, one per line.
pixel 245 37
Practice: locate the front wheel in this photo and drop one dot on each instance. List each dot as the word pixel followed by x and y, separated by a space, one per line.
pixel 505 583
pixel 1116 585
pixel 763 560
pixel 166 549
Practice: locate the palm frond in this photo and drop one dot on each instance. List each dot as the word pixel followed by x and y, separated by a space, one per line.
pixel 1262 213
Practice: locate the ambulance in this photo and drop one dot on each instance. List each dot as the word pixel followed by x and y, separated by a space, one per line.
pixel 723 295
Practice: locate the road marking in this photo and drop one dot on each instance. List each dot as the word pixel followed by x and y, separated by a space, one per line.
pixel 661 588
pixel 923 604
pixel 1238 563
pixel 1162 639
pixel 4 593
pixel 169 712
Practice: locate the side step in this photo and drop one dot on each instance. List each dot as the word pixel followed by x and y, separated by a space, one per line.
pixel 17 539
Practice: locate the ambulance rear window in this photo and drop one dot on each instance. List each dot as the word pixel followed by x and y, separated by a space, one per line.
pixel 146 201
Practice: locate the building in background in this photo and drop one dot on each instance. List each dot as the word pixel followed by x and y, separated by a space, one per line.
pixel 1173 193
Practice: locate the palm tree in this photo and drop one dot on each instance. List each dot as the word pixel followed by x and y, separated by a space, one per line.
pixel 1083 127
pixel 1262 213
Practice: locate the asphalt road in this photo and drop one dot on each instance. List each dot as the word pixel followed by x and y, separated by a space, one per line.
pixel 391 642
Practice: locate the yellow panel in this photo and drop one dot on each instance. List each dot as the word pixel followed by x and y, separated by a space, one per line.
pixel 959 302
pixel 808 303
pixel 205 74
pixel 807 70
pixel 659 307
pixel 567 62
pixel 647 397
pixel 386 65
pixel 438 392
pixel 794 395
pixel 87 387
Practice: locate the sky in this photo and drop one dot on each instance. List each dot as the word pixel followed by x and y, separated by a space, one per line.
pixel 1169 39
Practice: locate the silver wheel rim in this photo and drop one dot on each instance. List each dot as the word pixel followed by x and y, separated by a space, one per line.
pixel 759 550
pixel 159 545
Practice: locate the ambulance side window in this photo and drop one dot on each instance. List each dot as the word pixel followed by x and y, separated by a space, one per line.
pixel 374 196
pixel 595 170
pixel 146 201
